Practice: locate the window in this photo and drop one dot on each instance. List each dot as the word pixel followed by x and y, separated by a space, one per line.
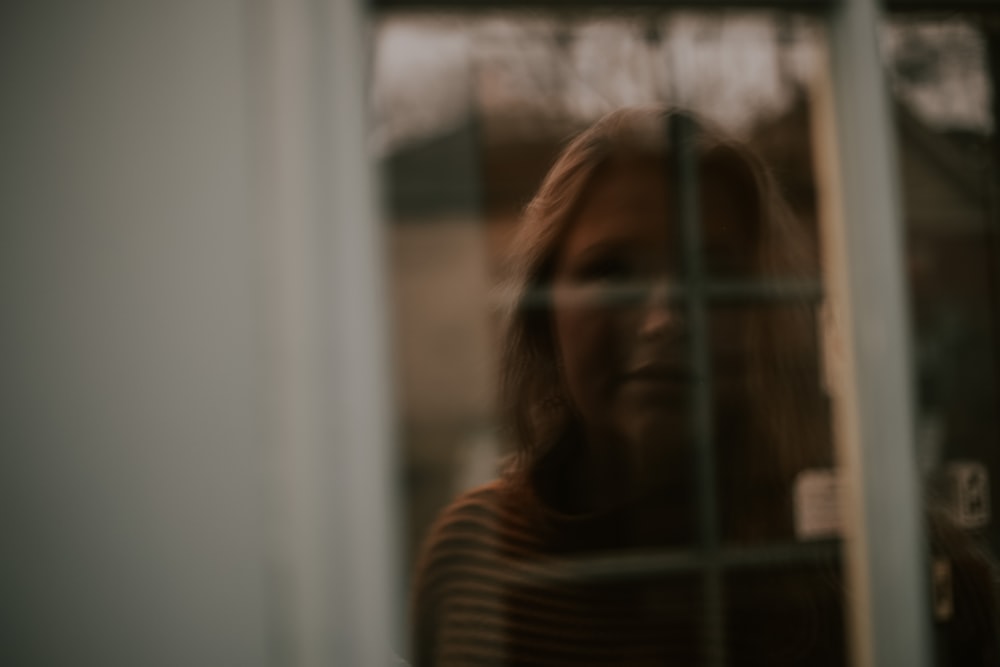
pixel 471 111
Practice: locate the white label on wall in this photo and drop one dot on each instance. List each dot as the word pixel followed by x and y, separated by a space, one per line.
pixel 817 504
pixel 970 493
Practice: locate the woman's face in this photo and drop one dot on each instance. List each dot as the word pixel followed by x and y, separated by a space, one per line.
pixel 620 339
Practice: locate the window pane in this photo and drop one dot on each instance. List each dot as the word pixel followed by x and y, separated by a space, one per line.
pixel 943 74
pixel 572 537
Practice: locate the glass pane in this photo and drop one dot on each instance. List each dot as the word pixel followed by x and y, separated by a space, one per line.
pixel 943 72
pixel 658 487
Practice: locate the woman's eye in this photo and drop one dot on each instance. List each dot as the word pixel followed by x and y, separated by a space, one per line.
pixel 606 270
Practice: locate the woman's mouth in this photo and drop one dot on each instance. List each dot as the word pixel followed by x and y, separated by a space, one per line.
pixel 658 374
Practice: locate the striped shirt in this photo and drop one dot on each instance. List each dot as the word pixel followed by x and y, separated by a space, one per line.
pixel 502 583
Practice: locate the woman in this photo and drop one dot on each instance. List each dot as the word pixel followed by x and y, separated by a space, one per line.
pixel 600 381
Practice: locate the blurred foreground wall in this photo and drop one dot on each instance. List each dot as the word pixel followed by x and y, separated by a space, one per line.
pixel 130 475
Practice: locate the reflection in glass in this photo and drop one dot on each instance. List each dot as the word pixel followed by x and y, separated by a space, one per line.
pixel 654 480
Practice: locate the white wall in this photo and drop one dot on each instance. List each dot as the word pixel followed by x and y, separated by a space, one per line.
pixel 132 518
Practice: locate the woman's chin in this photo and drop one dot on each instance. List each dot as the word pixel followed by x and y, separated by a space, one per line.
pixel 654 437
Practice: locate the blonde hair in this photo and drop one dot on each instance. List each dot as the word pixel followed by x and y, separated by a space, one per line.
pixel 530 382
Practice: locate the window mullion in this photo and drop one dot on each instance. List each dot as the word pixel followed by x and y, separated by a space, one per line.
pixel 885 553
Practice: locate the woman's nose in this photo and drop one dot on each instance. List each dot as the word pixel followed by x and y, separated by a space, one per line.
pixel 659 315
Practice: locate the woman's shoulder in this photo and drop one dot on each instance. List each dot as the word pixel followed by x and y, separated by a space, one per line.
pixel 485 499
pixel 466 557
pixel 481 517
